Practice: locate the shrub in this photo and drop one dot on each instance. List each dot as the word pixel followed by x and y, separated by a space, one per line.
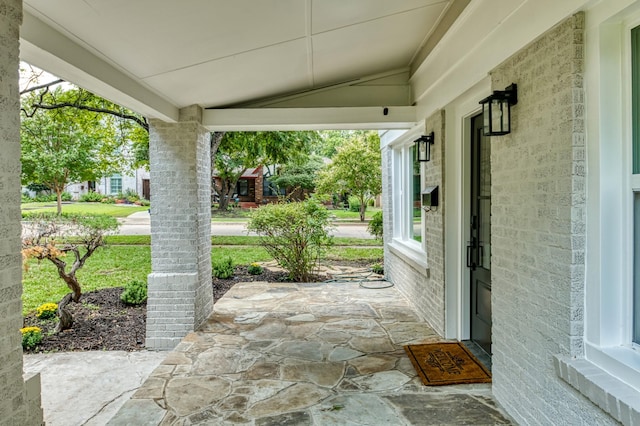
pixel 45 198
pixel 135 293
pixel 91 197
pixel 375 225
pixel 144 202
pixel 26 198
pixel 354 204
pixel 47 310
pixel 108 200
pixel 255 269
pixel 31 337
pixel 65 196
pixel 295 234
pixel 223 268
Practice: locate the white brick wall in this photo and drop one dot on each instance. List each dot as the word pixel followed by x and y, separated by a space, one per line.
pixel 424 288
pixel 538 226
pixel 180 290
pixel 18 405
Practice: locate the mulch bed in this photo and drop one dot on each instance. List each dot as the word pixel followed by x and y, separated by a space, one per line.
pixel 103 322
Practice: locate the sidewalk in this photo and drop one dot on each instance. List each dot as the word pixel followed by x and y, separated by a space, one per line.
pixel 88 388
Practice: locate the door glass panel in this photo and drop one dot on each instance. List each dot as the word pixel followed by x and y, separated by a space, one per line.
pixel 485 233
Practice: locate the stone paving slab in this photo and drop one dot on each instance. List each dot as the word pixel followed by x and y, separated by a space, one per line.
pixel 304 354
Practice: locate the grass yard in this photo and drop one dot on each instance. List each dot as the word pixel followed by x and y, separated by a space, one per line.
pixel 115 210
pixel 129 258
pixel 240 240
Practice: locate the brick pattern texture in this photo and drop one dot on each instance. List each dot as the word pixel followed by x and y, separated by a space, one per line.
pixel 180 292
pixel 538 231
pixel 16 406
pixel 426 289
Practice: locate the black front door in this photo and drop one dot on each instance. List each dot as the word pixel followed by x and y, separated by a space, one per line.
pixel 479 246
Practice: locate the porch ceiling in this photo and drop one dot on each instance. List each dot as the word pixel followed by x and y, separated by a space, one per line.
pixel 157 56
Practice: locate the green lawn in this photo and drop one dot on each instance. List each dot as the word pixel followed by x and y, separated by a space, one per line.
pixel 115 210
pixel 115 265
pixel 242 215
pixel 240 240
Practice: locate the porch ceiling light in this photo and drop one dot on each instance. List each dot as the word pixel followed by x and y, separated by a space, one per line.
pixel 423 144
pixel 496 110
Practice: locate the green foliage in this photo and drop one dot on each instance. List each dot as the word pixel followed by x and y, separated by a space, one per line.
pixel 239 151
pixel 354 204
pixel 31 337
pixel 255 269
pixel 47 310
pixel 223 268
pixel 108 200
pixel 355 169
pixel 301 175
pixel 377 268
pixel 295 234
pixel 91 197
pixel 135 293
pixel 45 198
pixel 26 198
pixel 65 196
pixel 375 226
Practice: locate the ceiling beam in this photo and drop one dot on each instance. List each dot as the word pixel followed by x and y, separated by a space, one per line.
pixel 48 49
pixel 349 118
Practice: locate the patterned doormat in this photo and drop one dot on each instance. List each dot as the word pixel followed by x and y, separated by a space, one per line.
pixel 449 363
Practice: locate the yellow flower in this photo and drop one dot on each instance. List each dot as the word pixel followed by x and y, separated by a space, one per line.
pixel 26 330
pixel 46 309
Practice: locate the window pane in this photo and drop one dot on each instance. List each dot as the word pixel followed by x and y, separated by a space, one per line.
pixel 636 267
pixel 416 211
pixel 635 104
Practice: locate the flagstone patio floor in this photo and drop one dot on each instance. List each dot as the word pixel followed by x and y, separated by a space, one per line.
pixel 304 354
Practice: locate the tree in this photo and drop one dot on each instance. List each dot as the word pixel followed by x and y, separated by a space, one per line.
pixel 238 151
pixel 356 169
pixel 298 177
pixel 128 127
pixel 54 237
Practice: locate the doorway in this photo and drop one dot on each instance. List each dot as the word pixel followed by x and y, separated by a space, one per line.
pixel 479 244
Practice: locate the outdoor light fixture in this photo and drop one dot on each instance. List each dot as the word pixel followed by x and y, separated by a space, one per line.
pixel 496 110
pixel 423 144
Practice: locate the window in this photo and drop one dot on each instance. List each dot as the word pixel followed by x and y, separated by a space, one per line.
pixel 635 176
pixel 116 184
pixel 406 202
pixel 243 187
pixel 270 190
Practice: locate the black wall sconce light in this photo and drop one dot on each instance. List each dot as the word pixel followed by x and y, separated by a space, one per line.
pixel 496 110
pixel 423 144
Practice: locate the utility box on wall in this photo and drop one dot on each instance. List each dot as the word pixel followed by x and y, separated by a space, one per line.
pixel 430 197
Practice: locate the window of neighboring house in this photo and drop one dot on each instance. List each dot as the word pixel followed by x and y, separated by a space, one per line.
pixel 116 184
pixel 243 187
pixel 406 203
pixel 270 190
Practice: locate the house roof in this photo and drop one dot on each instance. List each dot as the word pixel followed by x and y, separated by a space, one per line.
pixel 157 56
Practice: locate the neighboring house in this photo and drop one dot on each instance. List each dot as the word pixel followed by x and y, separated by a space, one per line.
pixel 253 187
pixel 118 183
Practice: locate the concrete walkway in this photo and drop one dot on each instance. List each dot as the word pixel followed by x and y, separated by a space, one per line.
pixel 304 354
pixel 88 388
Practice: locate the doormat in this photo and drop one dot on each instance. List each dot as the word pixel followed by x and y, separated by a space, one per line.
pixel 450 363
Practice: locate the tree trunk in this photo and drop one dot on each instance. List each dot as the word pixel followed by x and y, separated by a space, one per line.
pixel 226 192
pixel 59 200
pixel 363 208
pixel 66 319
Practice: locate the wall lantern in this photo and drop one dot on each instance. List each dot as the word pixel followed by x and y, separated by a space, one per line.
pixel 496 110
pixel 423 144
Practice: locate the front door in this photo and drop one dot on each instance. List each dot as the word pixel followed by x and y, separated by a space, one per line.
pixel 479 246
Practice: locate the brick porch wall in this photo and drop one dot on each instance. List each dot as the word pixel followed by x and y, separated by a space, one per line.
pixel 19 401
pixel 538 225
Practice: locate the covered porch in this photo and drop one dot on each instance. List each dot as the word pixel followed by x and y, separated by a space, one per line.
pixel 305 354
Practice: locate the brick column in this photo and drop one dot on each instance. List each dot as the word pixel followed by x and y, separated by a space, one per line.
pixel 180 290
pixel 19 401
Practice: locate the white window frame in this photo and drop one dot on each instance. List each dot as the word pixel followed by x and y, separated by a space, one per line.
pixel 609 266
pixel 402 202
pixel 111 190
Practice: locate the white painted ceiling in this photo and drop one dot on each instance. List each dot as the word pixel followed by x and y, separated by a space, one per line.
pixel 218 53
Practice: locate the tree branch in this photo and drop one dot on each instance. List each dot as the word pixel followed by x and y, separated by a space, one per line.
pixel 41 86
pixel 142 122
